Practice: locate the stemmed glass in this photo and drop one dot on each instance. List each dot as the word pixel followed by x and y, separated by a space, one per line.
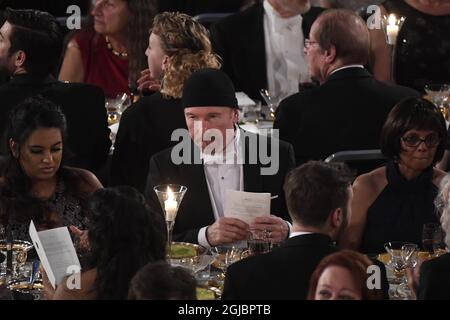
pixel 272 100
pixel 433 239
pixel 116 106
pixel 225 256
pixel 170 197
pixel 394 248
pixel 439 95
pixel 439 247
pixel 409 258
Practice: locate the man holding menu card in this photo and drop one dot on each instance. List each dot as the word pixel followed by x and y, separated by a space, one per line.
pixel 217 157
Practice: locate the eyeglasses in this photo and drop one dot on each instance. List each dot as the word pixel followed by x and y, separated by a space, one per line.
pixel 309 43
pixel 413 140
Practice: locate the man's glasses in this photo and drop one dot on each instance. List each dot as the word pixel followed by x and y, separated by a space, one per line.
pixel 309 43
pixel 413 140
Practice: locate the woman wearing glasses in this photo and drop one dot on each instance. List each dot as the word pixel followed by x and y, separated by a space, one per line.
pixel 393 202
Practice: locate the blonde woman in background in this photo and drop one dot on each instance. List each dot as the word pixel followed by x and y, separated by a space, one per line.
pixel 178 46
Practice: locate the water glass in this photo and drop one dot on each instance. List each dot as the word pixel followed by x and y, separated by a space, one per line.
pixel 258 243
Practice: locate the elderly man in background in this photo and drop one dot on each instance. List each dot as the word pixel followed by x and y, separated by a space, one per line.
pixel 348 109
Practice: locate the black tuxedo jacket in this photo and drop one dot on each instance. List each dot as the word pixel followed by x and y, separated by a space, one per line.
pixel 435 279
pixel 196 210
pixel 282 274
pixel 83 106
pixel 346 112
pixel 239 40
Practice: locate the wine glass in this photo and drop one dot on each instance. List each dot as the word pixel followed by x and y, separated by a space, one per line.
pixel 432 238
pixel 439 247
pixel 258 243
pixel 272 100
pixel 396 263
pixel 116 106
pixel 224 256
pixel 439 95
pixel 409 257
pixel 170 197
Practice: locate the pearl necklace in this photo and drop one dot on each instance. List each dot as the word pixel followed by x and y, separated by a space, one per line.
pixel 114 51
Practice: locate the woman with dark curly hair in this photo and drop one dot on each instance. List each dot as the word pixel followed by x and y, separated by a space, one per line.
pixel 178 46
pixel 124 235
pixel 392 203
pixel 34 183
pixel 111 55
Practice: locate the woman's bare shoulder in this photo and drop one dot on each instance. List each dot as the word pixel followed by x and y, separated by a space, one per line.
pixel 371 182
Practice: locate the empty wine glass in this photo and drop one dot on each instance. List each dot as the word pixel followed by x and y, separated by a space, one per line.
pixel 396 263
pixel 116 106
pixel 272 100
pixel 439 95
pixel 225 256
pixel 409 257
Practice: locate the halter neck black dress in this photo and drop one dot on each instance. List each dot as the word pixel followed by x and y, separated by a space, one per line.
pixel 401 209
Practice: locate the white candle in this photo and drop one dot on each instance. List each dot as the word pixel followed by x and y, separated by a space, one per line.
pixel 392 29
pixel 170 206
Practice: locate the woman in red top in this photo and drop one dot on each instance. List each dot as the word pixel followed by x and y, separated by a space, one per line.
pixel 111 54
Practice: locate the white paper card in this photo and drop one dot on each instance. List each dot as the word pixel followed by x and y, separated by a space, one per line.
pixel 246 206
pixel 56 252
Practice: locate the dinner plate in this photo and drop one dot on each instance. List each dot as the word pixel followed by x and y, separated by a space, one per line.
pixel 182 250
pixel 385 257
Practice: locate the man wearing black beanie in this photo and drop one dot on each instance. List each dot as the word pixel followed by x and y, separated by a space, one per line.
pixel 211 109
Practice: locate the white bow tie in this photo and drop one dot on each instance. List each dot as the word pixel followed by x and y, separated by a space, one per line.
pixel 281 25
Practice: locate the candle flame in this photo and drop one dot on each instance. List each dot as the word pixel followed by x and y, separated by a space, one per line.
pixel 392 19
pixel 170 195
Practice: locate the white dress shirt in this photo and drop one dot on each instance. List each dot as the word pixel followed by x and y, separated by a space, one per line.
pixel 285 58
pixel 298 233
pixel 346 67
pixel 221 177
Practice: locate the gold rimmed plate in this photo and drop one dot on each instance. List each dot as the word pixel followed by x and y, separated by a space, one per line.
pixel 183 250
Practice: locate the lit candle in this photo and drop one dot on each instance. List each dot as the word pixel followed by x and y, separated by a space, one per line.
pixel 170 206
pixel 392 29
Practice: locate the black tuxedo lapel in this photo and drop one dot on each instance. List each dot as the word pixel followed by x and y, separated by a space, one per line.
pixel 252 171
pixel 195 176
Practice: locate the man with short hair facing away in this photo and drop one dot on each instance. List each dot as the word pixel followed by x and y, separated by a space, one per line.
pixel 318 197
